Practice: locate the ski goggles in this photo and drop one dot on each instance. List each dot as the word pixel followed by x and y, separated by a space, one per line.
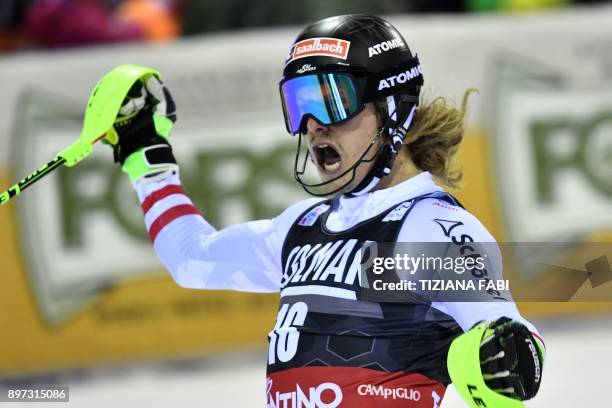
pixel 329 97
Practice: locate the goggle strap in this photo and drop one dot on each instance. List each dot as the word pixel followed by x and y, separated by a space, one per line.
pixel 385 161
pixel 391 107
pixel 397 139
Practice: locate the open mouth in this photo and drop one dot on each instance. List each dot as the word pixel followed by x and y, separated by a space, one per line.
pixel 327 158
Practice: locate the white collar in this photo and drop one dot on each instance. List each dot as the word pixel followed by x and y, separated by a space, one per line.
pixel 352 210
pixel 415 186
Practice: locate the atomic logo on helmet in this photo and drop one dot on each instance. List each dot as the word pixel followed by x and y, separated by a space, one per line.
pixel 385 46
pixel 400 78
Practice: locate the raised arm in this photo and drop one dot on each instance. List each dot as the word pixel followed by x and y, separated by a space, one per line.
pixel 245 257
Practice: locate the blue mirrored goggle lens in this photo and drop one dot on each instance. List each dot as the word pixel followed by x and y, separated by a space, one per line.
pixel 328 97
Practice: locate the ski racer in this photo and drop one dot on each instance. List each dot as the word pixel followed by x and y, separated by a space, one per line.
pixel 350 96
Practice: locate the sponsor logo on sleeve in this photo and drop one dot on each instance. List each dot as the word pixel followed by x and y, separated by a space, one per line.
pixel 320 46
pixel 398 212
pixel 448 226
pixel 444 205
pixel 468 247
pixel 310 218
pixel 385 46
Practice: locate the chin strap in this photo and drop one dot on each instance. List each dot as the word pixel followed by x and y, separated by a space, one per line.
pixel 397 133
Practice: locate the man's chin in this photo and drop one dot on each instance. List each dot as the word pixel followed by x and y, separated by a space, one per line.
pixel 343 184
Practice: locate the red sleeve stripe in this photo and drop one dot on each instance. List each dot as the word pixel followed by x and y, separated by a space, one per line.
pixel 168 216
pixel 159 195
pixel 164 205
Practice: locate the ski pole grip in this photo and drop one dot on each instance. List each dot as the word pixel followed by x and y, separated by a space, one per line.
pixel 464 368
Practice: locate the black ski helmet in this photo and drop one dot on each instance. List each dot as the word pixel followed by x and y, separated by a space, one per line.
pixel 383 66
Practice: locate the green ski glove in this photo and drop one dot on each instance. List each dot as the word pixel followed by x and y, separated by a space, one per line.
pixel 141 130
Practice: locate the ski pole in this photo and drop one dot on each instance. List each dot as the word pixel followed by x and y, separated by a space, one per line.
pixel 102 109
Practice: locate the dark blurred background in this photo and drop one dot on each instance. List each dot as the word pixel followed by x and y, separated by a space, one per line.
pixel 28 24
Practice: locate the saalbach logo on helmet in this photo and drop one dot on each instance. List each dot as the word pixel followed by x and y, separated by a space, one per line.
pixel 321 46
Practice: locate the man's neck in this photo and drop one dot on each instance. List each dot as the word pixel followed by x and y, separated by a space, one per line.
pixel 402 170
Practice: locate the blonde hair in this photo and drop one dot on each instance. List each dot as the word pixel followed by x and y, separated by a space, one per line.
pixel 435 135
